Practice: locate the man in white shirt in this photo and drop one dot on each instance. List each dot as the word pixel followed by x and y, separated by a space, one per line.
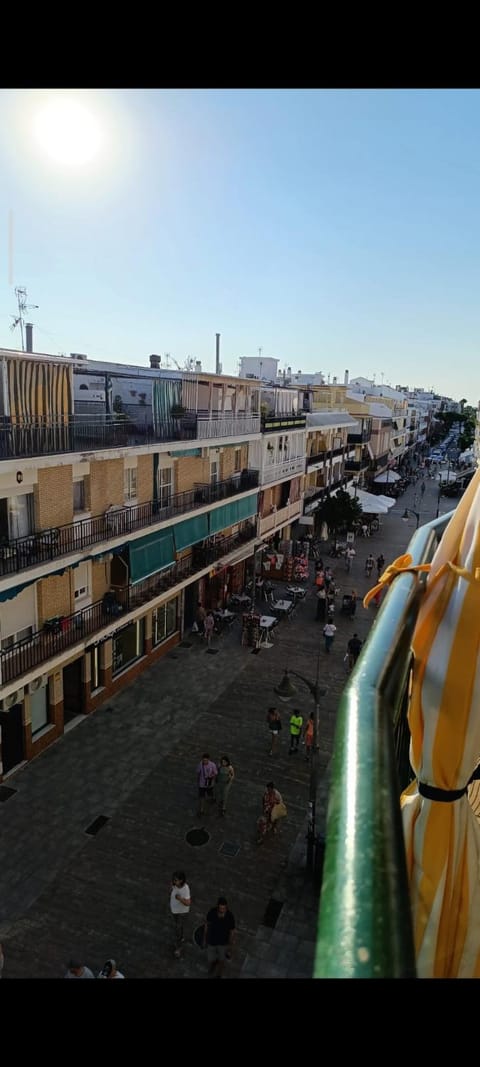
pixel 329 632
pixel 180 902
pixel 349 557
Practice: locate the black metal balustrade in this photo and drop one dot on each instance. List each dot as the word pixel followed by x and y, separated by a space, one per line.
pixel 23 552
pixel 65 631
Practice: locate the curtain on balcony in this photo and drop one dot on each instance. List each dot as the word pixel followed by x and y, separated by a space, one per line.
pixel 166 393
pixel 150 554
pixel 230 514
pixel 190 531
pixel 39 400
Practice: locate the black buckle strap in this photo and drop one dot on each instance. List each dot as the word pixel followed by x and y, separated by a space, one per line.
pixel 447 796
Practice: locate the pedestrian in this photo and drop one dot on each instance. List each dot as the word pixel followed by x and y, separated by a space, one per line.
pixel 207 772
pixel 271 798
pixel 219 937
pixel 274 725
pixel 209 626
pixel 180 901
pixel 364 529
pixel 422 488
pixel 329 631
pixel 369 563
pixel 308 735
pixel 380 563
pixel 321 605
pixel 296 722
pixel 349 557
pixel 354 646
pixel 109 970
pixel 353 603
pixel 200 616
pixel 226 775
pixel 78 970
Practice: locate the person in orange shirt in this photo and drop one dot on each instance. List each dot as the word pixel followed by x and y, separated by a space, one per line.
pixel 308 735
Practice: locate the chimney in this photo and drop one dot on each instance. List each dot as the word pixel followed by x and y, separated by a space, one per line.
pixel 345 380
pixel 155 362
pixel 29 331
pixel 218 368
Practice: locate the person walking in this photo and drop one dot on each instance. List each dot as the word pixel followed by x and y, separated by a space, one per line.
pixel 207 772
pixel 180 901
pixel 274 725
pixel 353 603
pixel 354 647
pixel 225 778
pixel 219 937
pixel 308 735
pixel 200 616
pixel 349 557
pixel 380 563
pixel 296 722
pixel 321 605
pixel 422 488
pixel 369 564
pixel 329 631
pixel 78 970
pixel 209 626
pixel 271 798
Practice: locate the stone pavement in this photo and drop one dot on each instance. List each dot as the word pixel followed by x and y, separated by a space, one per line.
pixel 64 893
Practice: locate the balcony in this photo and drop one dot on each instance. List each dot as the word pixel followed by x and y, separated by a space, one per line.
pixel 356 464
pixel 276 423
pixel 79 433
pixel 64 632
pixel 42 547
pixel 359 438
pixel 279 517
pixel 276 471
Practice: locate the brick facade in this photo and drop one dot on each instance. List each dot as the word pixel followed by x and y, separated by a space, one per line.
pixel 53 497
pixel 104 485
pixel 144 479
pixel 54 597
pixel 191 470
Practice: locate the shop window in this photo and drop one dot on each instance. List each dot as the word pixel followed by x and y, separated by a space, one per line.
pixel 130 483
pixel 128 645
pixel 164 621
pixel 39 709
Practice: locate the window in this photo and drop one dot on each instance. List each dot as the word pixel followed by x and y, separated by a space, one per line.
pixel 238 460
pixel 81 577
pixel 130 483
pixel 79 495
pixel 164 621
pixel 20 515
pixel 164 486
pixel 39 709
pixel 128 646
pixel 94 669
pixel 214 472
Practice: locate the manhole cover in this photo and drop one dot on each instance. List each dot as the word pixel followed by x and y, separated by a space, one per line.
pixel 96 825
pixel 198 936
pixel 229 848
pixel 212 651
pixel 272 911
pixel 6 793
pixel 197 837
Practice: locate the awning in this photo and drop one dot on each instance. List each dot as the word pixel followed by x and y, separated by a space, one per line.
pixel 389 501
pixel 190 531
pixel 387 476
pixel 150 554
pixel 229 514
pixel 369 502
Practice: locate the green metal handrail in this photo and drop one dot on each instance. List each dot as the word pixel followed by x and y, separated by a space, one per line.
pixel 365 920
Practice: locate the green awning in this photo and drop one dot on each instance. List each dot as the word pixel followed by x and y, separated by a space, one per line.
pixel 150 554
pixel 190 531
pixel 230 514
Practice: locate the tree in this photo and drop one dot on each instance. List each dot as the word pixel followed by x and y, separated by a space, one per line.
pixel 339 511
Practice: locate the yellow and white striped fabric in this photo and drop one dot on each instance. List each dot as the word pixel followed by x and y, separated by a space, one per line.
pixel 443 837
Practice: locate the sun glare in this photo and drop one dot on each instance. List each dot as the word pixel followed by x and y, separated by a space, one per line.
pixel 67 132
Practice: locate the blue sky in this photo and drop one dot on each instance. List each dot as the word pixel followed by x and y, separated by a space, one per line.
pixel 335 229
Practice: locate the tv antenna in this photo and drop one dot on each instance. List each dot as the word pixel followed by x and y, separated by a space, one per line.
pixel 18 320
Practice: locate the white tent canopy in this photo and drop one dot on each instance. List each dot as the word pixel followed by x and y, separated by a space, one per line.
pixel 389 501
pixel 387 476
pixel 370 503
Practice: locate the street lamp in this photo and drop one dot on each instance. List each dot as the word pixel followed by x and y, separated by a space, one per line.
pixel 408 512
pixel 286 690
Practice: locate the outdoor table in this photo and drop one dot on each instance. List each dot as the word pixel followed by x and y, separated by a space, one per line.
pixel 267 622
pixel 283 605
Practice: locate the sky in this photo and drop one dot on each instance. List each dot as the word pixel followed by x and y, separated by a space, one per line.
pixel 332 229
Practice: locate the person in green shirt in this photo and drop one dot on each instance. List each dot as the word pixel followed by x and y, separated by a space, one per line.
pixel 296 723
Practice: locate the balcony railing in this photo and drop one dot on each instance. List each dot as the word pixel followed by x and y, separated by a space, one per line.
pixel 280 516
pixel 275 471
pixel 63 632
pixel 365 899
pixel 23 552
pixel 359 438
pixel 274 423
pixel 85 433
pixel 356 464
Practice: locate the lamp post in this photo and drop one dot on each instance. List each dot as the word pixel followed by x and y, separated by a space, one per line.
pixel 286 690
pixel 408 512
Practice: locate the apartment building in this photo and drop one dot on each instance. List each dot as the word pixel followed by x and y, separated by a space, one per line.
pixel 113 525
pixel 279 458
pixel 330 454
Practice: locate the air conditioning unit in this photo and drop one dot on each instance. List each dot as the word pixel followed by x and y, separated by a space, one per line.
pixel 12 699
pixel 38 683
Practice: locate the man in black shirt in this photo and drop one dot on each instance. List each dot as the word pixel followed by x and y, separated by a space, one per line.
pixel 354 647
pixel 219 934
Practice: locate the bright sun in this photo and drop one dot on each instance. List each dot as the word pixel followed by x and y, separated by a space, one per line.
pixel 67 132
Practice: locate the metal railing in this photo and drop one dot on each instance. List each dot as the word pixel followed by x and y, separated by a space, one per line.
pixel 272 423
pixel 21 553
pixel 227 426
pixel 365 919
pixel 289 467
pixel 64 631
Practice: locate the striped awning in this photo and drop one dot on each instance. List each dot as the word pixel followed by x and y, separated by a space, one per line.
pixel 442 834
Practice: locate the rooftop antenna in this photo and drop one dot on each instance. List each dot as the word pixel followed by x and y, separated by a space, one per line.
pixel 18 320
pixel 382 376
